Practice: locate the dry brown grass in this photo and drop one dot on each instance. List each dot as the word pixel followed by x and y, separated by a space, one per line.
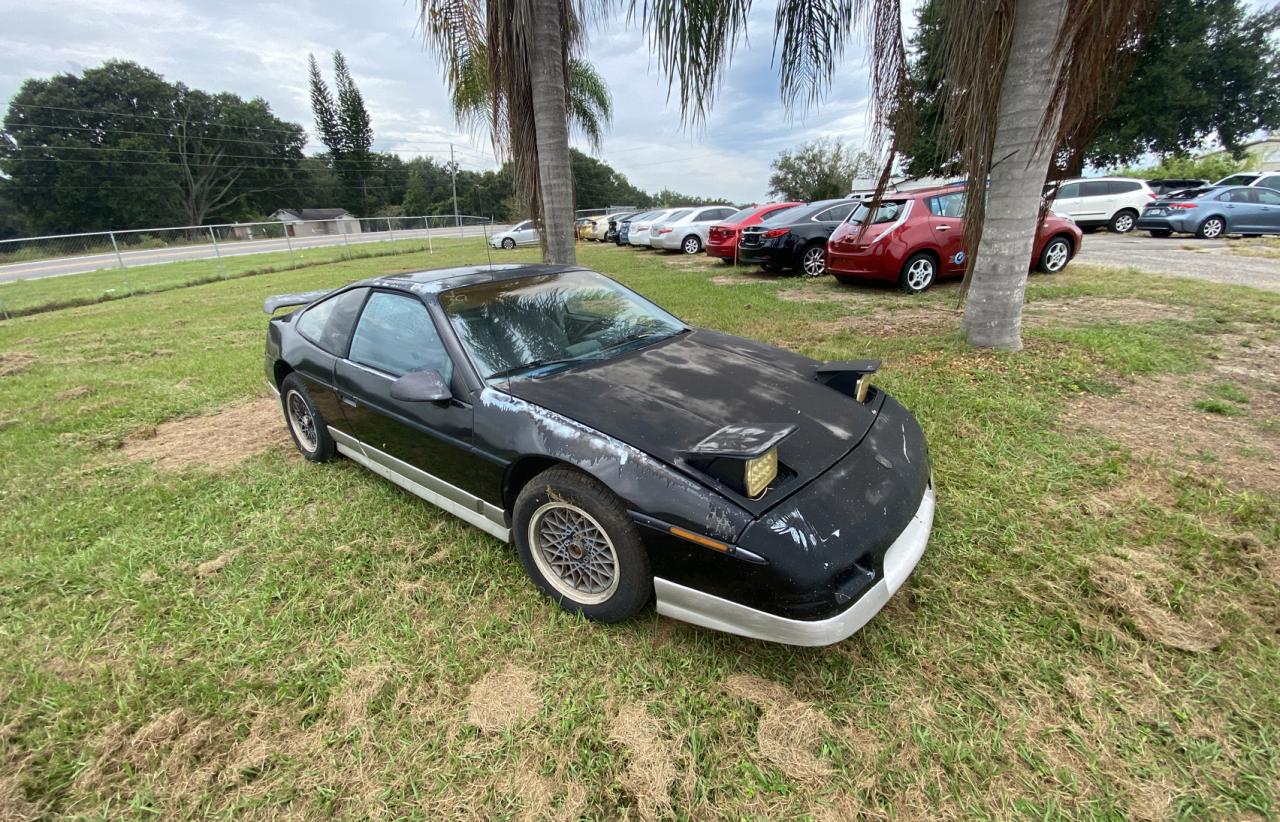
pixel 210 567
pixel 1125 584
pixel 651 760
pixel 789 730
pixel 503 699
pixel 212 442
pixel 15 362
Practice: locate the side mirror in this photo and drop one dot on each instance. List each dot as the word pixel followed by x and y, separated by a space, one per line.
pixel 421 386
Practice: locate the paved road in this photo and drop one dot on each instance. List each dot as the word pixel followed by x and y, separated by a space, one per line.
pixel 63 266
pixel 1181 256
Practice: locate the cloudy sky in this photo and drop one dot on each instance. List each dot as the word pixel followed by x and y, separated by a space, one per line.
pixel 260 49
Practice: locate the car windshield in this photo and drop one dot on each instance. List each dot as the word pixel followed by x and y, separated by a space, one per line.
pixel 739 216
pixel 1188 194
pixel 1237 180
pixel 886 213
pixel 553 321
pixel 783 215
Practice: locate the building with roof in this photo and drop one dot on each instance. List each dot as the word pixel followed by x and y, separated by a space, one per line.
pixel 315 222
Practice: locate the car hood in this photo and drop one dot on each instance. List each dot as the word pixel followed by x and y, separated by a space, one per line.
pixel 667 397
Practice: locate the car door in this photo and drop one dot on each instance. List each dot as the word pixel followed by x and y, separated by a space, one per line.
pixel 395 336
pixel 946 221
pixel 525 233
pixel 1242 210
pixel 1269 209
pixel 1095 201
pixel 1067 200
pixel 324 330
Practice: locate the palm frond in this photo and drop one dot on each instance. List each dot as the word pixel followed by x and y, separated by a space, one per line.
pixel 590 104
pixel 694 41
pixel 454 30
pixel 808 41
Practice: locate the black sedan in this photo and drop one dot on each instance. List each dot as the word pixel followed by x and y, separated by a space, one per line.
pixel 628 456
pixel 794 239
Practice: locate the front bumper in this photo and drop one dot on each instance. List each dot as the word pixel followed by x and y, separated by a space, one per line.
pixel 710 611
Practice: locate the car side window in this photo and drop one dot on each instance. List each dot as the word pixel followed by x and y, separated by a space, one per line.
pixel 1096 188
pixel 1237 195
pixel 1068 192
pixel 395 334
pixel 1123 186
pixel 835 214
pixel 1270 182
pixel 328 324
pixel 948 205
pixel 1267 197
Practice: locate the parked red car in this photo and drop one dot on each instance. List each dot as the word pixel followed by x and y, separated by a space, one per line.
pixel 722 238
pixel 918 236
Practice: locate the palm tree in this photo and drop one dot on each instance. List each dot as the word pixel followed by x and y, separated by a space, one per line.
pixel 1020 78
pixel 516 58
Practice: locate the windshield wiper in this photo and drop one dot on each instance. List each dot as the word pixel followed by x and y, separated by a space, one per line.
pixel 648 335
pixel 530 366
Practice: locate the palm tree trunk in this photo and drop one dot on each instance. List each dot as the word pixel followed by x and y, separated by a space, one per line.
pixel 1020 163
pixel 555 173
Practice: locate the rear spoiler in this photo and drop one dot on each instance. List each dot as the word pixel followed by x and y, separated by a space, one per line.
pixel 273 304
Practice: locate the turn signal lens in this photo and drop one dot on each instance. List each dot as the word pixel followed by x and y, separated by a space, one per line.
pixel 760 472
pixel 706 542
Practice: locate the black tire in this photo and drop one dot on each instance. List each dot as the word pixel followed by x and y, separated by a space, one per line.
pixel 1212 228
pixel 813 260
pixel 1054 256
pixel 918 273
pixel 1160 232
pixel 305 423
pixel 1088 229
pixel 691 244
pixel 508 243
pixel 560 495
pixel 845 279
pixel 1123 221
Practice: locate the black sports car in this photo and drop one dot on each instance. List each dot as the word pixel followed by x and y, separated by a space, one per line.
pixel 794 239
pixel 627 455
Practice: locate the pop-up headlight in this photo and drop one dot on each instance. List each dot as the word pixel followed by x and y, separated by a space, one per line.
pixel 743 457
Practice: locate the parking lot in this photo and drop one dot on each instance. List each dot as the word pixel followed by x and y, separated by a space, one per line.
pixel 1231 261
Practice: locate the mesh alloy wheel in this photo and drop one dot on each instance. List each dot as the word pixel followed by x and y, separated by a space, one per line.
pixel 301 421
pixel 814 261
pixel 573 552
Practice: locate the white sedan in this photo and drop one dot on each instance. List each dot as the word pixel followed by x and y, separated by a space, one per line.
pixel 688 232
pixel 519 234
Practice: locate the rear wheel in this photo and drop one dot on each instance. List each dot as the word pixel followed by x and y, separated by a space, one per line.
pixel 918 273
pixel 1124 221
pixel 691 244
pixel 813 261
pixel 1212 228
pixel 1160 232
pixel 580 547
pixel 1055 256
pixel 306 425
pixel 508 243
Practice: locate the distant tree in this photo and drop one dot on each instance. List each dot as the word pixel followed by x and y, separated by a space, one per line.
pixel 345 128
pixel 13 223
pixel 1209 167
pixel 819 170
pixel 1209 71
pixel 120 147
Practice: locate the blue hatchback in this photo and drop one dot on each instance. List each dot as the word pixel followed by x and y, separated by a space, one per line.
pixel 1213 212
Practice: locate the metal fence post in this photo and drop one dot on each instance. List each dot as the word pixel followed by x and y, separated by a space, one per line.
pixel 289 242
pixel 217 252
pixel 430 248
pixel 127 285
pixel 342 224
pixel 391 230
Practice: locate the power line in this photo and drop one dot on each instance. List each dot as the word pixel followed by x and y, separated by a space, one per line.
pixel 264 163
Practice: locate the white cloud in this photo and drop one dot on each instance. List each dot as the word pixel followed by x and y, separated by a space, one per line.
pixel 260 49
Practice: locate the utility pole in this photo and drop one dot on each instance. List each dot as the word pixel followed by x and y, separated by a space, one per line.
pixel 453 170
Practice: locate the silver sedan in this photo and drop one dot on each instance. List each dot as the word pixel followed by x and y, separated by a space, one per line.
pixel 687 232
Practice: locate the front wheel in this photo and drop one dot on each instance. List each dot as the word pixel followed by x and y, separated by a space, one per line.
pixel 813 261
pixel 1124 221
pixel 1160 232
pixel 306 424
pixel 508 243
pixel 1212 228
pixel 918 273
pixel 691 244
pixel 580 547
pixel 1055 256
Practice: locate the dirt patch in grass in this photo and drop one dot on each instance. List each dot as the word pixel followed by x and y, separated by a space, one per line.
pixel 1125 585
pixel 212 442
pixel 210 567
pixel 1080 311
pixel 503 699
pixel 651 760
pixel 1173 415
pixel 74 393
pixel 789 730
pixel 15 362
pixel 361 687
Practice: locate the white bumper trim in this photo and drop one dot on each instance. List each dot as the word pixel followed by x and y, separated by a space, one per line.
pixel 710 611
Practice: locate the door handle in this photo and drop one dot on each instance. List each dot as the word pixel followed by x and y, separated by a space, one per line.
pixel 349 401
pixel 943 227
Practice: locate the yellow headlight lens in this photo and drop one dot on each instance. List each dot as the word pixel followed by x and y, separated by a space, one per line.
pixel 761 471
pixel 863 385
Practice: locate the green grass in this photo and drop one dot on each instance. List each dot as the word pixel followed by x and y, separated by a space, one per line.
pixel 1026 670
pixel 22 297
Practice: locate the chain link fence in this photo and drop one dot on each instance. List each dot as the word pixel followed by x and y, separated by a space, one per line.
pixel 38 273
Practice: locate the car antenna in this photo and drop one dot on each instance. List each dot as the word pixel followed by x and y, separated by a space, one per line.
pixel 488 250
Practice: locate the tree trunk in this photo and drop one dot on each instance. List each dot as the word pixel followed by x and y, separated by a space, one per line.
pixel 993 308
pixel 550 118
